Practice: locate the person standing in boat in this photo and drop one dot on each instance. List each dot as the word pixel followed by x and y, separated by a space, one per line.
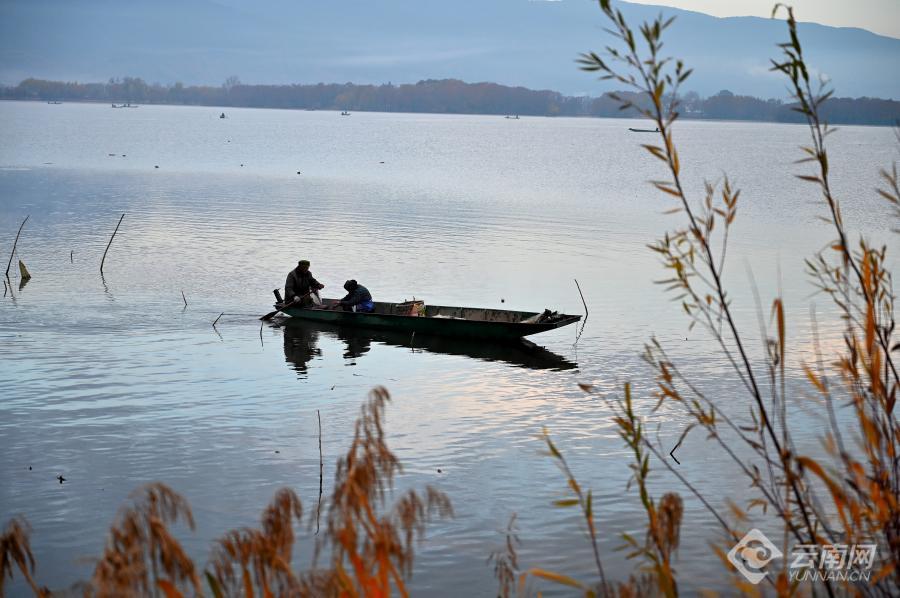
pixel 300 284
pixel 358 298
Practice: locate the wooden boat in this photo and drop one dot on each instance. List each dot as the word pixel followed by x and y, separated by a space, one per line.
pixel 643 130
pixel 440 320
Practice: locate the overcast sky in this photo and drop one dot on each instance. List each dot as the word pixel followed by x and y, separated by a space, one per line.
pixel 880 16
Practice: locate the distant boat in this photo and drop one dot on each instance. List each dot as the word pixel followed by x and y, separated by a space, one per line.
pixel 126 105
pixel 222 115
pixel 54 102
pixel 516 117
pixel 643 130
pixel 345 113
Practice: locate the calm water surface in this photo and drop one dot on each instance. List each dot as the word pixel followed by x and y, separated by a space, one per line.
pixel 113 382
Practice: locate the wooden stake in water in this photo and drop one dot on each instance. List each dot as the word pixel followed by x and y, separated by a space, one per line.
pixel 321 467
pixel 582 299
pixel 584 322
pixel 110 243
pixel 16 242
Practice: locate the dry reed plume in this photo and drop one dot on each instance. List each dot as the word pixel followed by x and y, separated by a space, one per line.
pixel 15 549
pixel 372 543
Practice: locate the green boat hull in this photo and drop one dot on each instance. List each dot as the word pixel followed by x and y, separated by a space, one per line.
pixel 437 320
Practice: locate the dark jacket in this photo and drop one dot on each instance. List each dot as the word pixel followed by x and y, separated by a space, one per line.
pixel 300 283
pixel 357 296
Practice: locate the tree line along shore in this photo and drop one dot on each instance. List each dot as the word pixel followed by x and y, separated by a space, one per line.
pixel 444 96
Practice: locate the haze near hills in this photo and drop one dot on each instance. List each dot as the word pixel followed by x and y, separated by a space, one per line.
pixel 513 42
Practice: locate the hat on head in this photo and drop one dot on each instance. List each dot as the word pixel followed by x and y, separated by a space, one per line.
pixel 303 263
pixel 350 285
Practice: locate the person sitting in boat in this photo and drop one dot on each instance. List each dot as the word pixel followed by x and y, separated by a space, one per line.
pixel 358 298
pixel 301 284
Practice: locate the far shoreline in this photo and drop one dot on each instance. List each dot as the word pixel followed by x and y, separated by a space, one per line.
pixel 501 115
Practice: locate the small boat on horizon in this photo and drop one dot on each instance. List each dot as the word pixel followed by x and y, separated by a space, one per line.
pixel 55 103
pixel 633 130
pixel 222 115
pixel 345 113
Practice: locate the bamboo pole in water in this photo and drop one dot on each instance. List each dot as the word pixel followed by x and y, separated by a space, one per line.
pixel 16 242
pixel 110 243
pixel 582 299
pixel 321 467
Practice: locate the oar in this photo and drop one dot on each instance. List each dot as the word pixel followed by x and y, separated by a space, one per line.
pixel 271 314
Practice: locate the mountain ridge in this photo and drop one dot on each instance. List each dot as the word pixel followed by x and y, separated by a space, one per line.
pixel 511 42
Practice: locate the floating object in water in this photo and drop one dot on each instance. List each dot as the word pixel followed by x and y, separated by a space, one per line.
pixel 222 115
pixel 157 166
pixel 298 172
pixel 61 479
pixel 633 130
pixel 345 113
pixel 24 271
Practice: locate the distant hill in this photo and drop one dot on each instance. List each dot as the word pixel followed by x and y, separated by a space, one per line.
pixel 513 42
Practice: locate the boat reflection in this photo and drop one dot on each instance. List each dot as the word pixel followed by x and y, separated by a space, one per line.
pixel 301 340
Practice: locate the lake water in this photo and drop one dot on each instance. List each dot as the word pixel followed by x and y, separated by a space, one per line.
pixel 113 382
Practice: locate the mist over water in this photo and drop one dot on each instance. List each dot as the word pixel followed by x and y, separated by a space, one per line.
pixel 114 382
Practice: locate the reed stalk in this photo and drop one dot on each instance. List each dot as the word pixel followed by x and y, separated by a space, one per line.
pixel 113 236
pixel 16 242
